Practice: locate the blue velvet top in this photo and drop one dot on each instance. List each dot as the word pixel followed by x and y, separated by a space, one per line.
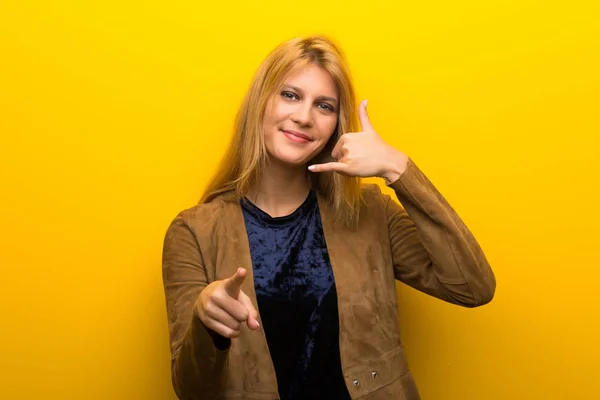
pixel 297 300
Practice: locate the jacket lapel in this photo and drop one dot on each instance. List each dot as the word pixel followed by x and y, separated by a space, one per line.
pixel 238 255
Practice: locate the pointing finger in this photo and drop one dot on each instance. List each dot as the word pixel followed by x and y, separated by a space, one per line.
pixel 234 284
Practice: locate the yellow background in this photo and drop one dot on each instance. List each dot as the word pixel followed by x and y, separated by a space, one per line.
pixel 113 116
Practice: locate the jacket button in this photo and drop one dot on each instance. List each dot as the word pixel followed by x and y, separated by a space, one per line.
pixel 374 374
pixel 356 382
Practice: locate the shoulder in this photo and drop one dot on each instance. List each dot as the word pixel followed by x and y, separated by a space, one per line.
pixel 203 216
pixel 374 202
pixel 372 195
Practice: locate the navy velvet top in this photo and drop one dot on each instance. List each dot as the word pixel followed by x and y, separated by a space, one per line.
pixel 297 300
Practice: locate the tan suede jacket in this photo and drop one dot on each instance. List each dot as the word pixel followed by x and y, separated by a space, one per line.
pixel 425 245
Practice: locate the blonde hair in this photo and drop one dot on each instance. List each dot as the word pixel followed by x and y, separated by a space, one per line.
pixel 246 157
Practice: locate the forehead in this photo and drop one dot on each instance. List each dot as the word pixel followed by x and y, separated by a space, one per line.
pixel 312 79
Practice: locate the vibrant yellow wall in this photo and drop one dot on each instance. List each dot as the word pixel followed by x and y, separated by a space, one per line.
pixel 112 117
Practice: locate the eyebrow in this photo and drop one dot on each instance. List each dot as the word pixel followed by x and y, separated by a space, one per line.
pixel 297 89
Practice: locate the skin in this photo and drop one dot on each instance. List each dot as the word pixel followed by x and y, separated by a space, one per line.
pixel 298 122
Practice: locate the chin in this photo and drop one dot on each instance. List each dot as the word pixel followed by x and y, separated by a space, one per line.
pixel 290 159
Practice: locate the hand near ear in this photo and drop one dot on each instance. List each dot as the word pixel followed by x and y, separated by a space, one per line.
pixel 365 154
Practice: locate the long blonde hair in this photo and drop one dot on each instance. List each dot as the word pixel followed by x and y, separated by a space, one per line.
pixel 246 157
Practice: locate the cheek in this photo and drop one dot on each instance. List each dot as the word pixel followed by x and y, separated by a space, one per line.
pixel 278 111
pixel 268 114
pixel 270 121
pixel 327 127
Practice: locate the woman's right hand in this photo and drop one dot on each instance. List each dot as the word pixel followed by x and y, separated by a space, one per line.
pixel 222 306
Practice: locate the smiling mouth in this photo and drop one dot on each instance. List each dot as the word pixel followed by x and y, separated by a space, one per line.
pixel 297 136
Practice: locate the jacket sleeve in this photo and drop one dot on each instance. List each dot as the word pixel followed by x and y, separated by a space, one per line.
pixel 198 358
pixel 432 249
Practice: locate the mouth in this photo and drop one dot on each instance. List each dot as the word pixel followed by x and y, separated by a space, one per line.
pixel 296 136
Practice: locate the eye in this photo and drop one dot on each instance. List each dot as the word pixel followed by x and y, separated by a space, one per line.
pixel 326 107
pixel 289 95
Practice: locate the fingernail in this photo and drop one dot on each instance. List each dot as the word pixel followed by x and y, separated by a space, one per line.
pixel 366 103
pixel 311 168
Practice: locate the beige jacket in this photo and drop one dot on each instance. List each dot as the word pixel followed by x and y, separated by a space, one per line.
pixel 425 245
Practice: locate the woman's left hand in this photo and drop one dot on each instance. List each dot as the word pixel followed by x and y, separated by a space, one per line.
pixel 365 154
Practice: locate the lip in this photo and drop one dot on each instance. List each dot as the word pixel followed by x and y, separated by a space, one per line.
pixel 297 136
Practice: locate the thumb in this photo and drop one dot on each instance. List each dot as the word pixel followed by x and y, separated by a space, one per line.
pixel 252 320
pixel 365 122
pixel 234 284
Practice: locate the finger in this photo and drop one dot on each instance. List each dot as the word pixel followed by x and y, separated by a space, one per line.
pixel 218 314
pixel 252 321
pixel 232 307
pixel 365 122
pixel 330 166
pixel 234 284
pixel 221 329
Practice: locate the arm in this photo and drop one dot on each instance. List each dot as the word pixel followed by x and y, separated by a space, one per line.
pixel 432 249
pixel 197 365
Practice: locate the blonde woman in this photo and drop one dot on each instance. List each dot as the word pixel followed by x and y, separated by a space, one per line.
pixel 280 283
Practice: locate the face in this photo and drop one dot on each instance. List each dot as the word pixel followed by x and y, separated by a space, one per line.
pixel 300 119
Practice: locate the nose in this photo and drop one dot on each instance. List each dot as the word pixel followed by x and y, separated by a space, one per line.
pixel 302 114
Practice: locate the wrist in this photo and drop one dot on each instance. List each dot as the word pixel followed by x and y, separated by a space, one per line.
pixel 398 163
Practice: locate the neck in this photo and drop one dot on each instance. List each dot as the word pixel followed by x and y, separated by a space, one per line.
pixel 281 190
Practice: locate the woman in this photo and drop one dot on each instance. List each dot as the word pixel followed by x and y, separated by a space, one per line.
pixel 280 283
